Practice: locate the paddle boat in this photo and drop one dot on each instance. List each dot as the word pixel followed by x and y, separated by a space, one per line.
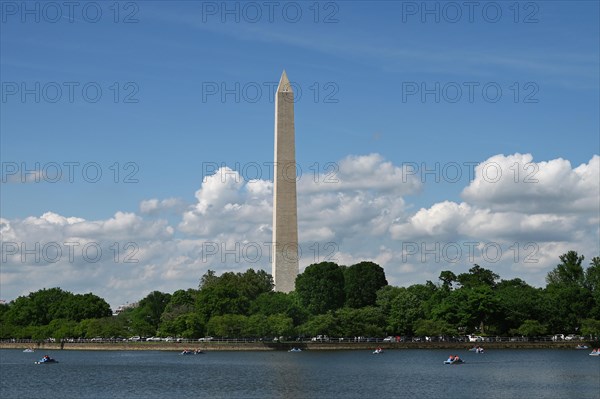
pixel 295 350
pixel 378 351
pixel 581 346
pixel 595 352
pixel 28 350
pixel 454 360
pixel 187 352
pixel 198 352
pixel 476 349
pixel 46 360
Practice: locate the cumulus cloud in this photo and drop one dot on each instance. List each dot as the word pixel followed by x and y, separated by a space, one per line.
pixel 155 206
pixel 511 221
pixel 354 210
pixel 516 182
pixel 227 204
pixel 361 172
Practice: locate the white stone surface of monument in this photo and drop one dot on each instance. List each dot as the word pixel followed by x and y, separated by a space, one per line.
pixel 285 218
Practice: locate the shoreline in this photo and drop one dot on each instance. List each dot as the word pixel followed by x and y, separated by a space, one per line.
pixel 283 346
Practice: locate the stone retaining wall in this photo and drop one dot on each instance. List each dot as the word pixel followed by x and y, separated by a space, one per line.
pixel 259 346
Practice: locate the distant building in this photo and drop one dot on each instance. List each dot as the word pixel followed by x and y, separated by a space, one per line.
pixel 122 308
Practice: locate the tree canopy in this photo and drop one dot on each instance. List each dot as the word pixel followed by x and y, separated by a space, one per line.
pixel 329 299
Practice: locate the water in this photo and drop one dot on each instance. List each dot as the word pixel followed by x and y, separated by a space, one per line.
pixel 345 374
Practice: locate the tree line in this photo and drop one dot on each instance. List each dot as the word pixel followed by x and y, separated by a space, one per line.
pixel 330 299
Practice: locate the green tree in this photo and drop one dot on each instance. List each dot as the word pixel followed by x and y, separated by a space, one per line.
pixel 448 278
pixel 361 282
pixel 145 318
pixel 321 287
pixel 174 319
pixel 385 297
pixel 473 308
pixel 63 328
pixel 433 328
pixel 592 283
pixel 257 326
pixel 532 328
pixel 228 325
pixel 280 325
pixel 4 307
pixel 231 293
pixel 41 307
pixel 194 326
pixel 269 303
pixel 323 324
pixel 569 272
pixel 590 328
pixel 477 276
pixel 368 321
pixel 569 299
pixel 107 327
pixel 519 302
pixel 38 308
pixel 86 306
pixel 406 309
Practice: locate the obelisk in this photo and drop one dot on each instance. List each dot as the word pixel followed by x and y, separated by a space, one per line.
pixel 285 218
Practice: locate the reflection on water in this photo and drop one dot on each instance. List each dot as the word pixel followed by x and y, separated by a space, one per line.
pixel 344 374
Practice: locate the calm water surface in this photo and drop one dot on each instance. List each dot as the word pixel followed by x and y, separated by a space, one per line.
pixel 346 374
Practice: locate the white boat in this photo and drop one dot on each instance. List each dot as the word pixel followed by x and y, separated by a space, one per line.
pixel 29 350
pixel 594 353
pixel 295 350
pixel 378 351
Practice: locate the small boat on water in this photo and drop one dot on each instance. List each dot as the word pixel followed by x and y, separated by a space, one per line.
pixel 295 350
pixel 378 351
pixel 476 349
pixel 454 360
pixel 46 360
pixel 191 352
pixel 28 350
pixel 581 346
pixel 595 352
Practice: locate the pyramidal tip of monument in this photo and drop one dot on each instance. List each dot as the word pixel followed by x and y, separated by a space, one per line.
pixel 284 83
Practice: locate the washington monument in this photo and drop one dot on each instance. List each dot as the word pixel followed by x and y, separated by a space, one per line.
pixel 285 217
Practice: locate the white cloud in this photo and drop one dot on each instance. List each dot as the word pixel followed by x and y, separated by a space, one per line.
pixel 516 182
pixel 155 206
pixel 362 172
pixel 348 214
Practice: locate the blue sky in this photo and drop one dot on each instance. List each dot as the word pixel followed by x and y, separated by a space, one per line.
pixel 355 68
